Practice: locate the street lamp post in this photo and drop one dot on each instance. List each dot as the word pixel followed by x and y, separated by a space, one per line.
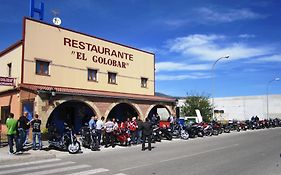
pixel 267 87
pixel 213 84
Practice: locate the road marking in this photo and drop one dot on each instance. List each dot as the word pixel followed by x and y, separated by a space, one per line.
pixel 120 174
pixel 29 163
pixel 180 157
pixel 89 172
pixel 58 170
pixel 196 154
pixel 134 167
pixel 34 167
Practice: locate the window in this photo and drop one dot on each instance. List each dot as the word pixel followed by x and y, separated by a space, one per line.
pixel 111 78
pixel 42 67
pixel 5 111
pixel 144 82
pixel 92 74
pixel 9 69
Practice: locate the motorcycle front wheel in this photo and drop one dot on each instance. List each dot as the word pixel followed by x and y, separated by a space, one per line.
pixel 184 136
pixel 74 147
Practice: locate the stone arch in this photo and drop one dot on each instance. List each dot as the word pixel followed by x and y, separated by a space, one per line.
pixel 74 111
pixel 80 99
pixel 151 107
pixel 133 105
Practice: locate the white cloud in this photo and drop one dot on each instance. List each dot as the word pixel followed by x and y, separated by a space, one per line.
pixel 270 58
pixel 181 77
pixel 192 41
pixel 171 66
pixel 228 15
pixel 247 36
pixel 209 16
pixel 212 47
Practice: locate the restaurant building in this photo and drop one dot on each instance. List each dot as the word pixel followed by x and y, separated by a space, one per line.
pixel 66 76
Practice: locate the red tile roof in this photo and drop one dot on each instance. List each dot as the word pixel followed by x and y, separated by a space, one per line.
pixel 84 92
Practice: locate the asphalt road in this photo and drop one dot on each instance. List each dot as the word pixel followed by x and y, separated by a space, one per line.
pixel 244 153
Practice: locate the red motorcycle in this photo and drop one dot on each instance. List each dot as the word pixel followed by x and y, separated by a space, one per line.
pixel 123 136
pixel 208 130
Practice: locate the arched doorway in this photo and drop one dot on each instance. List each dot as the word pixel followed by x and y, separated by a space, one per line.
pixel 160 110
pixel 122 111
pixel 74 113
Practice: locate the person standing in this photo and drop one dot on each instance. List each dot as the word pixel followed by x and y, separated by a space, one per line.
pixel 171 120
pixel 115 128
pixel 92 122
pixel 109 128
pixel 100 127
pixel 133 130
pixel 11 124
pixel 36 132
pixel 146 134
pixel 139 131
pixel 23 127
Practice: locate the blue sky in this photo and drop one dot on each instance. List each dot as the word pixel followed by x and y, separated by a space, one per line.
pixel 187 36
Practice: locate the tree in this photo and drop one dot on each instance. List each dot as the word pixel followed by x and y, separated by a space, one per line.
pixel 198 101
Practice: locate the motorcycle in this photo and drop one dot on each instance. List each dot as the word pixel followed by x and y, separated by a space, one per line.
pixel 276 122
pixel 66 141
pixel 226 128
pixel 156 134
pixel 166 133
pixel 243 125
pixel 89 138
pixel 207 129
pixel 195 131
pixel 180 132
pixel 122 136
pixel 216 128
pixel 235 125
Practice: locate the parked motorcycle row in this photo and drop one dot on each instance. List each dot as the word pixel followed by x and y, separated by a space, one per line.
pixel 89 138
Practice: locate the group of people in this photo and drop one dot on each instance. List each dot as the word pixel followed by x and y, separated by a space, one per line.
pixel 139 131
pixel 18 132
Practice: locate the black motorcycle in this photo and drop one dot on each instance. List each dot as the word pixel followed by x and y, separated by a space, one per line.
pixel 226 128
pixel 89 138
pixel 65 141
pixel 166 133
pixel 156 134
pixel 194 131
pixel 234 126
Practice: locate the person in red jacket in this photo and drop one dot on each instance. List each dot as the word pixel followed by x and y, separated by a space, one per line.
pixel 133 130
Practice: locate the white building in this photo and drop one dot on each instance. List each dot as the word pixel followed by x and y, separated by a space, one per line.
pixel 244 107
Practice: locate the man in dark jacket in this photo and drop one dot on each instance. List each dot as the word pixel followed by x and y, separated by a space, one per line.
pixel 146 133
pixel 139 130
pixel 23 127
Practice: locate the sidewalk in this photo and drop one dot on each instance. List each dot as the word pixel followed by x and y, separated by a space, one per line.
pixel 45 153
pixel 27 155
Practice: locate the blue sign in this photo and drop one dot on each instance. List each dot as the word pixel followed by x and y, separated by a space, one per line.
pixel 33 10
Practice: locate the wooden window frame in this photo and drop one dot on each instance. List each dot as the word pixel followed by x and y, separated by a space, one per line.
pixel 42 70
pixel 88 73
pixel 146 80
pixel 112 73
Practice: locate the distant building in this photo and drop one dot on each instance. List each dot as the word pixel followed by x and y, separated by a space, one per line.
pixel 244 107
pixel 67 76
